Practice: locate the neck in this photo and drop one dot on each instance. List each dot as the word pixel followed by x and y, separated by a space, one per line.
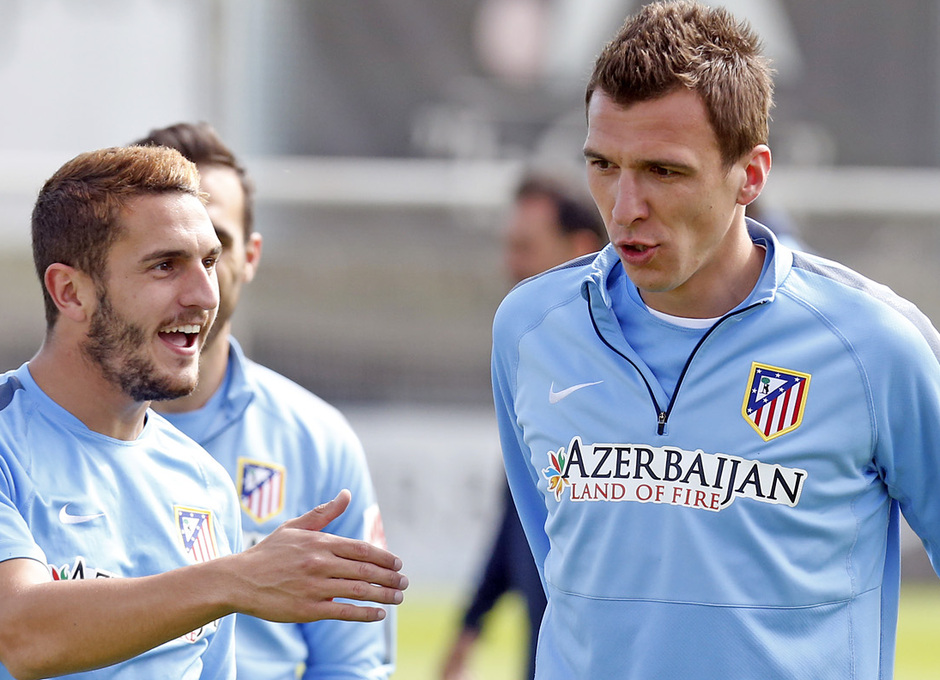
pixel 716 290
pixel 75 384
pixel 213 362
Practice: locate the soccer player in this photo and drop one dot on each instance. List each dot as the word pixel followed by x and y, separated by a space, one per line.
pixel 119 536
pixel 286 449
pixel 709 436
pixel 550 223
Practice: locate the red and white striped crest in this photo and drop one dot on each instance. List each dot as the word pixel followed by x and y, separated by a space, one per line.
pixel 261 488
pixel 197 532
pixel 775 399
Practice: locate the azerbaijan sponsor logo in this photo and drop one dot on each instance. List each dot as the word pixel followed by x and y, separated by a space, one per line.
pixel 668 475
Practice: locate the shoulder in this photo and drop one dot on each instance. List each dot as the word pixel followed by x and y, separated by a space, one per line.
pixel 864 310
pixel 530 301
pixel 29 421
pixel 281 399
pixel 311 438
pixel 13 397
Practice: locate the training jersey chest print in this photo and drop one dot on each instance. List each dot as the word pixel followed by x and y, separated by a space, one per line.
pixel 774 401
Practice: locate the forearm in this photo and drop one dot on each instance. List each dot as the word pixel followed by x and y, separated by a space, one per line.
pixel 297 574
pixel 59 627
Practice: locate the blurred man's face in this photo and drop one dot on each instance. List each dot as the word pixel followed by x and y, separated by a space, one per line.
pixel 534 240
pixel 226 209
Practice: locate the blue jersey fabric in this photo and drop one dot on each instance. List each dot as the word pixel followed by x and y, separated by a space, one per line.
pixel 288 451
pixel 90 506
pixel 746 524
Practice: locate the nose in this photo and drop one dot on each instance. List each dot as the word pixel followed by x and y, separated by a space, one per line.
pixel 629 205
pixel 201 288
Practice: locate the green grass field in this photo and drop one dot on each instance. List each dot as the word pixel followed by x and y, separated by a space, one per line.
pixel 428 622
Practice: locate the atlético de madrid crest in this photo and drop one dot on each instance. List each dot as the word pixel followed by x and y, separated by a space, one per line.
pixel 775 399
pixel 261 488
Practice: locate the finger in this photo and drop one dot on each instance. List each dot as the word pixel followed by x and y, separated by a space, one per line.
pixel 364 552
pixel 334 567
pixel 370 576
pixel 320 516
pixel 346 589
pixel 345 611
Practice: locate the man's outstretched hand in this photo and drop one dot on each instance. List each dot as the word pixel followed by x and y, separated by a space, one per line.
pixel 294 574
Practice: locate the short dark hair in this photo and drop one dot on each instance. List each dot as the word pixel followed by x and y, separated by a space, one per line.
pixel 200 143
pixel 684 44
pixel 76 216
pixel 576 210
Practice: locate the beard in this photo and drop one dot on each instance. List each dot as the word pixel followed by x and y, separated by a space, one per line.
pixel 116 346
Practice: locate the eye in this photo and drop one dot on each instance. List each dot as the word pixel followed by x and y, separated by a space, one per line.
pixel 210 262
pixel 660 171
pixel 165 266
pixel 599 163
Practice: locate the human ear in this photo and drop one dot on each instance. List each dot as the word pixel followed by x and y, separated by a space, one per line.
pixel 72 291
pixel 756 172
pixel 252 255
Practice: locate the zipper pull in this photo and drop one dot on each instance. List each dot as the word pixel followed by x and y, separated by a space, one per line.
pixel 662 423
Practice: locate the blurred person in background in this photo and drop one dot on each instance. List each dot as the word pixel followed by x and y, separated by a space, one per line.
pixel 285 448
pixel 551 222
pixel 710 437
pixel 119 536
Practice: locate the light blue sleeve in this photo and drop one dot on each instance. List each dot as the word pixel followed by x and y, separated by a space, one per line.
pixel 351 650
pixel 16 540
pixel 347 650
pixel 218 661
pixel 906 394
pixel 522 476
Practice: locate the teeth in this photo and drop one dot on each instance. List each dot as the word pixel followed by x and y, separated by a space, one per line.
pixel 188 328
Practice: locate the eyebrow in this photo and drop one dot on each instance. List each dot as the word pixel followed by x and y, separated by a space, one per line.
pixel 590 153
pixel 164 255
pixel 176 254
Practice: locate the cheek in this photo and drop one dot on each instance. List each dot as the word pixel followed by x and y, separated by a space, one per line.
pixel 227 274
pixel 135 301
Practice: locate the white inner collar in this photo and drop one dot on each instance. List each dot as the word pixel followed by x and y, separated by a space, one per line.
pixel 683 321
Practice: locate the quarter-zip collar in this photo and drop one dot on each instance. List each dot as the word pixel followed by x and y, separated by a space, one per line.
pixel 777 265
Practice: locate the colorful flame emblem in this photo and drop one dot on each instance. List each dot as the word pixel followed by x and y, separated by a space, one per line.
pixel 555 473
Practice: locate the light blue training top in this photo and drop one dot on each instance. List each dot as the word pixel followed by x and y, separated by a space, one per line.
pixel 90 506
pixel 740 520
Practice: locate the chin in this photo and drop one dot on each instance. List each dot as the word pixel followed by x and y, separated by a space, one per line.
pixel 142 386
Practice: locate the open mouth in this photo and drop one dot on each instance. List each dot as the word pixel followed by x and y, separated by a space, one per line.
pixel 181 336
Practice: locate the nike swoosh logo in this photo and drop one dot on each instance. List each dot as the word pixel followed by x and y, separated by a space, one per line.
pixel 66 518
pixel 554 397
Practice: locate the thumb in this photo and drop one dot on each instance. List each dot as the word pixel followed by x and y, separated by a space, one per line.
pixel 320 516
